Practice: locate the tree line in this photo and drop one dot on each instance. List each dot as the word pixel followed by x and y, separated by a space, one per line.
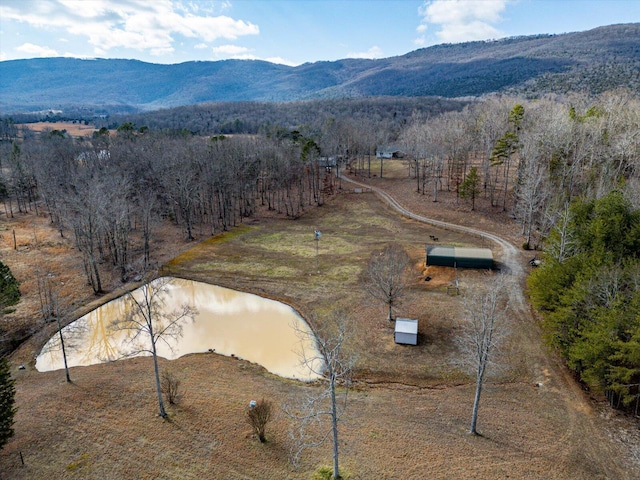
pixel 588 291
pixel 527 158
pixel 530 158
pixel 261 117
pixel 110 192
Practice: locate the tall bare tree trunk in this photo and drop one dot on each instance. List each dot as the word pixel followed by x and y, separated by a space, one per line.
pixel 334 427
pixel 156 369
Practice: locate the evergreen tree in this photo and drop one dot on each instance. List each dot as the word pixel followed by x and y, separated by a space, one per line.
pixel 590 299
pixel 7 400
pixel 9 291
pixel 470 188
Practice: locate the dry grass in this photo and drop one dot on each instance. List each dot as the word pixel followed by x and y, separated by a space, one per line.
pixel 410 408
pixel 73 129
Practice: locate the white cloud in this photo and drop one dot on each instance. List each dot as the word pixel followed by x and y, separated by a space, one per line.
pixel 244 56
pixel 230 50
pixel 461 20
pixel 281 61
pixel 373 52
pixel 135 24
pixel 37 50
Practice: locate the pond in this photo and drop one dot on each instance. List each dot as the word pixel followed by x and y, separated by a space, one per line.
pixel 228 322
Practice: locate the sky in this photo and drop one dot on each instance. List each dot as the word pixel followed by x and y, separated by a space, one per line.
pixel 291 32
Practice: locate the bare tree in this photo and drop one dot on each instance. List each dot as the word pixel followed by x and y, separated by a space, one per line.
pixel 632 192
pixel 491 121
pixel 332 362
pixel 57 314
pixel 423 140
pixel 146 203
pixel 115 223
pixel 533 189
pixel 483 329
pixel 562 243
pixel 84 210
pixel 149 321
pixel 387 275
pixel 53 308
pixel 258 415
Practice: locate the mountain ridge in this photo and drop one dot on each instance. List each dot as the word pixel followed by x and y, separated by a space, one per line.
pixel 529 65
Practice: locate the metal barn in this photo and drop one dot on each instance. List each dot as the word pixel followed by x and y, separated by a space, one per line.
pixel 459 257
pixel 406 331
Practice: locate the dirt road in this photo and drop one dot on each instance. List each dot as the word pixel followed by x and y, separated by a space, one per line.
pixel 544 368
pixel 510 256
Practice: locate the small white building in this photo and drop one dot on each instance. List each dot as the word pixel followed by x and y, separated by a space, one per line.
pixel 389 151
pixel 406 331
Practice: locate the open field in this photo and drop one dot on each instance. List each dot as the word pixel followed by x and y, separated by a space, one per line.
pixel 75 129
pixel 410 407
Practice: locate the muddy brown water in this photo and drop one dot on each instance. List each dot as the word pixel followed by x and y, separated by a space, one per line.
pixel 228 322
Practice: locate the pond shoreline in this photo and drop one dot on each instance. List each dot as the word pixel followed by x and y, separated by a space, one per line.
pixel 229 322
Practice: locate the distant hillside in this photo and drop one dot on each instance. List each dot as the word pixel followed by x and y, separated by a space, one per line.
pixel 593 61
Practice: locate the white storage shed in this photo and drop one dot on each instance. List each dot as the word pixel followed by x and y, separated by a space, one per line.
pixel 406 331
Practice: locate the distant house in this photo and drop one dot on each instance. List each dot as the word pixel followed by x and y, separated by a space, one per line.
pixel 328 162
pixel 459 257
pixel 389 151
pixel 406 331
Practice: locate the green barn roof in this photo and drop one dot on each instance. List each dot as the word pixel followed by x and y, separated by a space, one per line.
pixel 459 257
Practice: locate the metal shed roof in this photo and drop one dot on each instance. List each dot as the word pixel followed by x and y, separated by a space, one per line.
pixel 483 253
pixel 406 325
pixel 437 251
pixel 459 256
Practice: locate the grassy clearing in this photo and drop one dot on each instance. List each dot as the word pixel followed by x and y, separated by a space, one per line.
pixel 410 406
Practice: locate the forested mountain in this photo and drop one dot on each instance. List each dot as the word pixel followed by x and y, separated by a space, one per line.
pixel 377 113
pixel 593 61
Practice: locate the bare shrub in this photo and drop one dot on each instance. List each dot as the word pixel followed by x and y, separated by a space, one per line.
pixel 258 415
pixel 170 387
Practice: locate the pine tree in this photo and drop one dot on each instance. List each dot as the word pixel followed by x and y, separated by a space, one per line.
pixel 9 292
pixel 470 188
pixel 7 400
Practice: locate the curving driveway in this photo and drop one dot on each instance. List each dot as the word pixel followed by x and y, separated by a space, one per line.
pixel 510 254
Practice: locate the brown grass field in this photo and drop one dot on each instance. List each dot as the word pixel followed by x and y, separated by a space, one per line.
pixel 409 409
pixel 74 129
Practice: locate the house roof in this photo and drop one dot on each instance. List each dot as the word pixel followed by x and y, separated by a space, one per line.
pixel 388 149
pixel 328 161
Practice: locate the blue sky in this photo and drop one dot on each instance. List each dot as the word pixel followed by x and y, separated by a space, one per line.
pixel 282 31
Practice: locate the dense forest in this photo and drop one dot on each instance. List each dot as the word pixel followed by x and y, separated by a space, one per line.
pixel 388 114
pixel 566 169
pixel 589 293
